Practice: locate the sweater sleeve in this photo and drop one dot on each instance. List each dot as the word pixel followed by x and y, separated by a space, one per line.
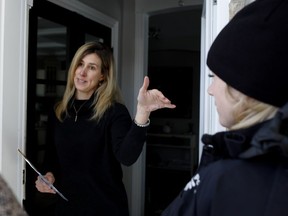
pixel 127 138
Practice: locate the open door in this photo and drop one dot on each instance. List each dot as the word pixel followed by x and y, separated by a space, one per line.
pixel 54 35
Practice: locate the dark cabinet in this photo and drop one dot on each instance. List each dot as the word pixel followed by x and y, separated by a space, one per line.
pixel 170 162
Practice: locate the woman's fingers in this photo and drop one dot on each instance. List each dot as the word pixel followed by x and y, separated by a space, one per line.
pixel 42 186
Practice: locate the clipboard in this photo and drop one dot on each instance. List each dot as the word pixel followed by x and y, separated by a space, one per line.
pixel 42 177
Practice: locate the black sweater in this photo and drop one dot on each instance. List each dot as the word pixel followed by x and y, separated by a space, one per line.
pixel 90 155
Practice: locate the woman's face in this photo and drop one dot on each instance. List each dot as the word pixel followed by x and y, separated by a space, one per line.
pixel 223 102
pixel 88 76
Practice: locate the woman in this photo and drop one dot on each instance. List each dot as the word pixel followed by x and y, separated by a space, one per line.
pixel 243 171
pixel 94 134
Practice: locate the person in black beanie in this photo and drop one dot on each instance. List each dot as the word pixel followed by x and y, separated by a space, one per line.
pixel 243 171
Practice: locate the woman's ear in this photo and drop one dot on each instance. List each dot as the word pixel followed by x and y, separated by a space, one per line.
pixel 102 78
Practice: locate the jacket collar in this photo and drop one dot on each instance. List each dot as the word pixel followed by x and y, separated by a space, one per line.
pixel 269 137
pixel 229 144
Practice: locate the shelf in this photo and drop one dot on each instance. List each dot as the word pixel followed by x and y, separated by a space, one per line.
pixel 169 146
pixel 178 168
pixel 51 82
pixel 184 141
pixel 184 135
pixel 170 151
pixel 170 163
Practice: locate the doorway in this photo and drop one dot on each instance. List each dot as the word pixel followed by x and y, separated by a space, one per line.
pixel 53 40
pixel 173 68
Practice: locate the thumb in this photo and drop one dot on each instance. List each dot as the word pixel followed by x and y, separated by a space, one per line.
pixel 145 84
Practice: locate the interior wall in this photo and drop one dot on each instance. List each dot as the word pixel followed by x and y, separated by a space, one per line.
pixel 127 85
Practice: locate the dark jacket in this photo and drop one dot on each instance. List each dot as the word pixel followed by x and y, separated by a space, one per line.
pixel 241 173
pixel 90 156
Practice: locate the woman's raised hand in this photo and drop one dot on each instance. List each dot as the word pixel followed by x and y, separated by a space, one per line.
pixel 151 100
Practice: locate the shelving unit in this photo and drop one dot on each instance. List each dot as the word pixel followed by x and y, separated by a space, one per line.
pixel 170 162
pixel 50 86
pixel 171 151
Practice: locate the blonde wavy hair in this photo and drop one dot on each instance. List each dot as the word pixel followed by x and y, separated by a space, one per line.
pixel 107 93
pixel 249 111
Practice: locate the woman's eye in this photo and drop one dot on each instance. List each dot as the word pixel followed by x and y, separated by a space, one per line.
pixel 211 75
pixel 92 68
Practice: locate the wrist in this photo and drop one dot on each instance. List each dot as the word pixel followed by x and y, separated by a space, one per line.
pixel 142 125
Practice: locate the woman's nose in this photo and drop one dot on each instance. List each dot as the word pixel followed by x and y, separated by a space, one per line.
pixel 209 90
pixel 83 71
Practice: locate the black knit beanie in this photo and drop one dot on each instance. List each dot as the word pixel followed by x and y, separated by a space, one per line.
pixel 251 52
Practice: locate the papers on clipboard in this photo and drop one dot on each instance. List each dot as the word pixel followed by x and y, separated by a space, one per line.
pixel 42 177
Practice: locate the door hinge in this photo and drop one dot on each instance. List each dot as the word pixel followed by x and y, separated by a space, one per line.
pixel 23 177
